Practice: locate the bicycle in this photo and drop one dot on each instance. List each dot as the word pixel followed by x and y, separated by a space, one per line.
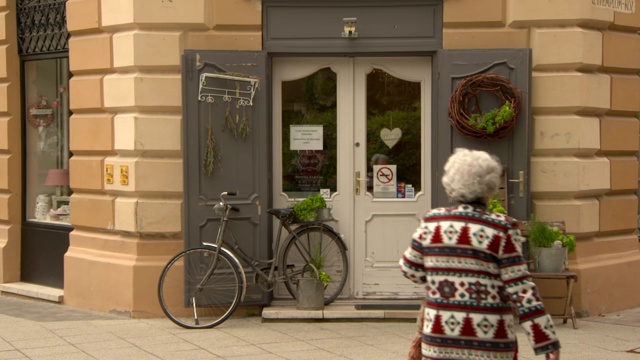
pixel 202 287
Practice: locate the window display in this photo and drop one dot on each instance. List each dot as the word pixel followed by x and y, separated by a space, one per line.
pixel 47 140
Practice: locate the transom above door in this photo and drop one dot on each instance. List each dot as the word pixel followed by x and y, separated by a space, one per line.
pixel 357 130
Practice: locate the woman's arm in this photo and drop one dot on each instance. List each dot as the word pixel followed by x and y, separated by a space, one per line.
pixel 521 289
pixel 412 261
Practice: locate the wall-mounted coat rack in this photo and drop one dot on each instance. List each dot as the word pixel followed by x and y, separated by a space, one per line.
pixel 210 88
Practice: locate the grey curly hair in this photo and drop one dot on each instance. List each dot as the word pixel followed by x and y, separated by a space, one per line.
pixel 471 175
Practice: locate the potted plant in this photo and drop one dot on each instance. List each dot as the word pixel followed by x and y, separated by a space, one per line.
pixel 317 260
pixel 550 245
pixel 311 288
pixel 307 209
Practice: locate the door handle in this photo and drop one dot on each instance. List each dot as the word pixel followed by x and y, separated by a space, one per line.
pixel 520 182
pixel 358 182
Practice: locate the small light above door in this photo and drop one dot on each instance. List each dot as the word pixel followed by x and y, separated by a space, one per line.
pixel 349 28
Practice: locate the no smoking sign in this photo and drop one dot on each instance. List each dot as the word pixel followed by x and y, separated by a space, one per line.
pixel 384 175
pixel 384 181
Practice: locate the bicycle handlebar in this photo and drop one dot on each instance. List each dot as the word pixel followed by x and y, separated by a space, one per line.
pixel 228 193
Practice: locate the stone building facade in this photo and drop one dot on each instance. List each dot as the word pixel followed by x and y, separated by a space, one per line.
pixel 126 99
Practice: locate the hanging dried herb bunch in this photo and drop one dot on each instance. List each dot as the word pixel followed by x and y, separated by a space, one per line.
pixel 211 153
pixel 229 123
pixel 244 124
pixel 477 124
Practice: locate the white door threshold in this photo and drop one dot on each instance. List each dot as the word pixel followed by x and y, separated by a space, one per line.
pixel 346 310
pixel 33 291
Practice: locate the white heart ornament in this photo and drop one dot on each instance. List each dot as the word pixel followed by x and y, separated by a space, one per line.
pixel 390 137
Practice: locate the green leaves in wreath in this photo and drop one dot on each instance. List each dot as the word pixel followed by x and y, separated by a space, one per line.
pixel 492 120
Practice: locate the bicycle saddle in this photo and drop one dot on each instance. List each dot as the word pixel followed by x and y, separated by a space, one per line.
pixel 280 213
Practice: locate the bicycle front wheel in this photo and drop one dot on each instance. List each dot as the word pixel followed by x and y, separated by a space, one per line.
pixel 194 294
pixel 308 246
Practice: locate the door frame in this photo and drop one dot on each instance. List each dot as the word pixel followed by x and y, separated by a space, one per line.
pixel 344 200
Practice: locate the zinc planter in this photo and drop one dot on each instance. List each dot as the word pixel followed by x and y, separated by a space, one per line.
pixel 310 291
pixel 551 260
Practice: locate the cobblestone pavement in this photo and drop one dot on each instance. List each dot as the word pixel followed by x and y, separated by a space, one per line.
pixel 39 330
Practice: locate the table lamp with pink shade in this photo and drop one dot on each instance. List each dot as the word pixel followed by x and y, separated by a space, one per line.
pixel 58 178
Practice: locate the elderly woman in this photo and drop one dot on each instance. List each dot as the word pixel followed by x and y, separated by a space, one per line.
pixel 471 262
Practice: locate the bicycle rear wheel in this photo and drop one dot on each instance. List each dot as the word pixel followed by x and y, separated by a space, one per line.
pixel 190 300
pixel 313 241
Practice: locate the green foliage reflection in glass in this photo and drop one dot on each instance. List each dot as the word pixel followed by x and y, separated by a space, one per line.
pixel 395 103
pixel 310 101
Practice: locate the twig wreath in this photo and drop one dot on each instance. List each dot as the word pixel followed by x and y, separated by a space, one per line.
pixel 492 125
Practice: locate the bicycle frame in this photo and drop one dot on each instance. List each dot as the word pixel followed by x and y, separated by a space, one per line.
pixel 235 251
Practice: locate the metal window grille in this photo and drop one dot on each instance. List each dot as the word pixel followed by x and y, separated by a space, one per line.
pixel 42 26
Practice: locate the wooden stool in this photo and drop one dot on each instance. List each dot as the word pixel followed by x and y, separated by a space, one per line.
pixel 570 279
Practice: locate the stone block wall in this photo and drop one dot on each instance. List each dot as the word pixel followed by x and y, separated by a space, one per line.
pixel 10 146
pixel 585 98
pixel 126 98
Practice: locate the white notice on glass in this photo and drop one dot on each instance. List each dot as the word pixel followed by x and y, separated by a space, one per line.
pixel 305 137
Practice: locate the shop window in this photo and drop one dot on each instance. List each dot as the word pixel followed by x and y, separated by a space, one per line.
pixel 394 132
pixel 46 83
pixel 309 152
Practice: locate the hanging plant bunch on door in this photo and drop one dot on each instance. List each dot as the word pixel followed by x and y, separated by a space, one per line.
pixel 211 152
pixel 471 120
pixel 236 88
pixel 227 87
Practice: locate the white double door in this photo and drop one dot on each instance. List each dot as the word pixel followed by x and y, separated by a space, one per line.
pixel 381 107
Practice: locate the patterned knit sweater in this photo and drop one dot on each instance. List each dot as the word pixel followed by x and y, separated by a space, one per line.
pixel 471 263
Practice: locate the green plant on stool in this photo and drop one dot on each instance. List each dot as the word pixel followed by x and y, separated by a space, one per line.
pixel 544 236
pixel 549 246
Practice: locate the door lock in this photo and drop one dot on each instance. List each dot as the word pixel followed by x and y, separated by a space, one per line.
pixel 520 182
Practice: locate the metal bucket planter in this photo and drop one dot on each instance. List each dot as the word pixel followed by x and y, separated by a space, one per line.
pixel 310 291
pixel 551 260
pixel 323 214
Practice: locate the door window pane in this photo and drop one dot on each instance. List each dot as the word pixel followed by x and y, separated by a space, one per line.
pixel 394 135
pixel 309 138
pixel 47 140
